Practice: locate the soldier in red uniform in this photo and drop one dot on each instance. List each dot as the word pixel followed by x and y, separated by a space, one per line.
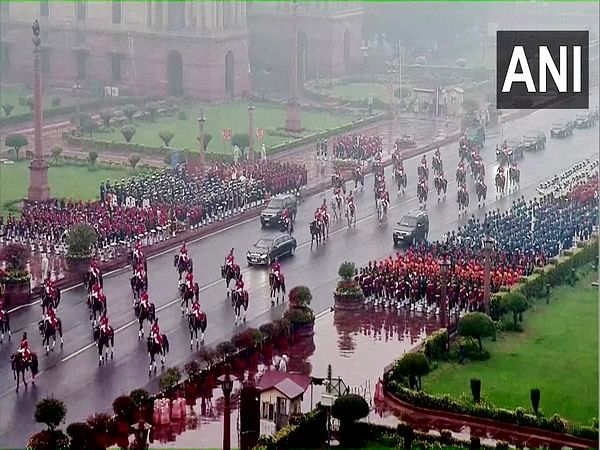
pixel 229 259
pixel 189 281
pixel 156 334
pixel 24 348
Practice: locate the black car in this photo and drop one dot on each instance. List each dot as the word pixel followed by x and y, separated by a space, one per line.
pixel 267 249
pixel 562 128
pixel 534 140
pixel 271 215
pixel 585 120
pixel 413 227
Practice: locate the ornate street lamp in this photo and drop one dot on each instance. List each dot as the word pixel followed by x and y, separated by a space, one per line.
pixel 444 266
pixel 226 381
pixel 488 245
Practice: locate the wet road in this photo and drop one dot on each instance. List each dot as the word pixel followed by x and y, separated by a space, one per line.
pixel 72 374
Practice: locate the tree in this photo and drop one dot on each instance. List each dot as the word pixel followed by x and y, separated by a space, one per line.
pixel 476 325
pixel 170 378
pixel 92 157
pixel 166 137
pixel 414 366
pixel 51 412
pixel 152 108
pixel 88 126
pixel 348 409
pixel 106 115
pixel 241 140
pixel 56 151
pixel 140 397
pixel 129 111
pixel 347 270
pixel 81 239
pixel 7 108
pixel 30 102
pixel 134 159
pixel 16 257
pixel 515 303
pixel 128 131
pixel 124 408
pixel 16 141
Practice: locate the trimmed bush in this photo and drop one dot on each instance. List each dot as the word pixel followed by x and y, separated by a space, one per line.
pixel 129 111
pixel 92 157
pixel 48 440
pixel 535 400
pixel 82 436
pixel 412 365
pixel 241 140
pixel 81 240
pixel 16 257
pixel 139 397
pixel 476 389
pixel 134 159
pixel 51 412
pixel 515 303
pixel 348 409
pixel 7 108
pixel 435 345
pixel 30 101
pixel 56 151
pixel 128 131
pixel 170 379
pixel 300 297
pixel 55 102
pixel 166 137
pixel 181 115
pixel 106 115
pixel 16 141
pixel 476 325
pixel 347 270
pixel 152 108
pixel 124 408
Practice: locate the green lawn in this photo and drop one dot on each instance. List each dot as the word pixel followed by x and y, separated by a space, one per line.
pixel 69 182
pixel 10 95
pixel 234 116
pixel 359 91
pixel 557 353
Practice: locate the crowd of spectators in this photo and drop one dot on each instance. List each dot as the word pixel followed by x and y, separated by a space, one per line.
pixel 358 147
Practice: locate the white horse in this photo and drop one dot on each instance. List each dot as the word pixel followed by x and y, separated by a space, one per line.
pixel 337 206
pixel 351 214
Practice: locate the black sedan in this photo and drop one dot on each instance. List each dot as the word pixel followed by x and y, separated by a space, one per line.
pixel 267 249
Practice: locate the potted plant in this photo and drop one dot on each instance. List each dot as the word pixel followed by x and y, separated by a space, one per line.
pixel 124 409
pixel 16 279
pixel 299 314
pixel 348 293
pixel 141 399
pixel 169 380
pixel 81 240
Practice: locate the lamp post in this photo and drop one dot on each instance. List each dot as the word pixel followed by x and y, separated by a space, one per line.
pixel 444 266
pixel 76 88
pixel 488 245
pixel 226 381
pixel 292 121
pixel 251 109
pixel 202 137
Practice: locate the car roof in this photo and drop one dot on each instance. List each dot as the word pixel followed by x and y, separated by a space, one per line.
pixel 416 214
pixel 281 196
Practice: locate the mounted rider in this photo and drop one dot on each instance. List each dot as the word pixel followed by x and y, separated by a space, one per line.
pixel 424 161
pixel 145 301
pixel 104 327
pixel 49 288
pixel 189 281
pixel 97 293
pixel 183 253
pixel 50 317
pixel 155 333
pixel 138 254
pixel 276 268
pixel 24 351
pixel 140 271
pixel 196 311
pixel 230 260
pixel 350 201
pixel 94 269
pixel 239 286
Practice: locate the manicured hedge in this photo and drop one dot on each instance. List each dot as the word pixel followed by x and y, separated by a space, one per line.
pixel 488 411
pixel 306 431
pixel 435 346
pixel 553 274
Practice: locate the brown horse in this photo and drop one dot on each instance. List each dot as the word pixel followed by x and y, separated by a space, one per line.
pixel 19 366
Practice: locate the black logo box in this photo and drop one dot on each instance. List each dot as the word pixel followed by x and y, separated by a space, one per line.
pixel 519 97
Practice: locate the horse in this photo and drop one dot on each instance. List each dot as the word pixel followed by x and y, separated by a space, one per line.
pixel 134 260
pixel 5 328
pixel 104 341
pixel 481 191
pixel 277 285
pixel 462 200
pixel 422 193
pixel 461 176
pixel 441 184
pixel 337 206
pixel 188 294
pixel 477 169
pixel 138 285
pixel 500 181
pixel 196 323
pixel 359 177
pixel 97 306
pixel 514 176
pixel 239 301
pixel 182 265
pixel 48 300
pixel 437 164
pixel 351 214
pixel 315 233
pixel 423 171
pixel 401 180
pixel 154 348
pixel 338 182
pixel 144 314
pixel 230 272
pixel 382 208
pixel 19 366
pixel 48 331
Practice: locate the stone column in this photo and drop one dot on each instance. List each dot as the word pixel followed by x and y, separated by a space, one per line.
pixel 39 191
pixel 251 133
pixel 292 121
